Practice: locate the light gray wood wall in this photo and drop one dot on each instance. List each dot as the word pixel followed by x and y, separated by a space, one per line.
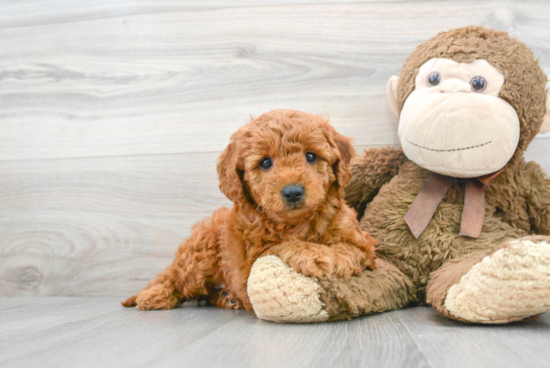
pixel 112 113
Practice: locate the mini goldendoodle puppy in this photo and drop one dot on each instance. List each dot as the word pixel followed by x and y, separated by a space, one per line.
pixel 285 173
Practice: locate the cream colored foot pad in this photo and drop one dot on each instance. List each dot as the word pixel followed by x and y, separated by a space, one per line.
pixel 280 294
pixel 510 285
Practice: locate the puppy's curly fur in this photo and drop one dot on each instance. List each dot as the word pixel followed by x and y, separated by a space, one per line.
pixel 317 235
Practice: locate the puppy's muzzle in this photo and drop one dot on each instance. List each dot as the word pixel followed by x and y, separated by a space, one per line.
pixel 293 193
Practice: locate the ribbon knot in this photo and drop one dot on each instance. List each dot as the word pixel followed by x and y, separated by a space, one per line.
pixel 427 201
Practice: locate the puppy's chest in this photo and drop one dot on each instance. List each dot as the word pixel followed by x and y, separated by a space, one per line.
pixel 256 247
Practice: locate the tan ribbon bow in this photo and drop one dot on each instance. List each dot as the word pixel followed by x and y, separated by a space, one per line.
pixel 426 202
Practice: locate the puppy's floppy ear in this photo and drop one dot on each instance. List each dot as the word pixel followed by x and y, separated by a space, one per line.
pixel 231 172
pixel 345 153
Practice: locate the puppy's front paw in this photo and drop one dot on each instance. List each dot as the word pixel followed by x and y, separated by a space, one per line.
pixel 223 298
pixel 156 297
pixel 310 263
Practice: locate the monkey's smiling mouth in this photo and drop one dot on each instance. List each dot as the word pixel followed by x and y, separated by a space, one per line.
pixel 448 150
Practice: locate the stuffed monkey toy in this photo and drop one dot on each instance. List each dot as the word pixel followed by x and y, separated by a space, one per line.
pixel 462 221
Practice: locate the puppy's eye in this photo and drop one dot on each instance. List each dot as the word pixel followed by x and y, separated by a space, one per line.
pixel 311 157
pixel 478 83
pixel 266 163
pixel 434 79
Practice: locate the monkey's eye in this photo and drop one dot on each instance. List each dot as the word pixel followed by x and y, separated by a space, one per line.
pixel 266 163
pixel 311 157
pixel 434 79
pixel 478 83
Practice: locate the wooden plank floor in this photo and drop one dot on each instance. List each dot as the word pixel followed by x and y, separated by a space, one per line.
pixel 97 332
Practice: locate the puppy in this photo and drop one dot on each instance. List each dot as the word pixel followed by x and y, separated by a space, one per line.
pixel 285 173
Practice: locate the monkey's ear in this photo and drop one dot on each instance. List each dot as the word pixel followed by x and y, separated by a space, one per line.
pixel 545 128
pixel 391 90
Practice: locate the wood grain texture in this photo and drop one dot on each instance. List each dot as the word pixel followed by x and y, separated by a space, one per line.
pixel 91 332
pixel 447 343
pixel 112 113
pixel 98 226
pixel 128 78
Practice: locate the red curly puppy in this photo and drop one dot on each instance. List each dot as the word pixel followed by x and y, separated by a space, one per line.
pixel 285 173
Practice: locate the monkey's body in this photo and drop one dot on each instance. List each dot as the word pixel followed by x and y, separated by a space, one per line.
pixel 440 242
pixel 469 102
pixel 437 260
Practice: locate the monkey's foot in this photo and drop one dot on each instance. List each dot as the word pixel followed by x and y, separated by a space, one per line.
pixel 280 294
pixel 510 285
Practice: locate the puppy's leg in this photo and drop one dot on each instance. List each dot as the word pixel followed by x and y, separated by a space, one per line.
pixel 223 298
pixel 161 293
pixel 192 274
pixel 340 259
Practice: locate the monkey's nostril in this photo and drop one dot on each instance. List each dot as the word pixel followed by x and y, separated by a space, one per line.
pixel 293 193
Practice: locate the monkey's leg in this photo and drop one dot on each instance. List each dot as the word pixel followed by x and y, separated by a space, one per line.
pixel 280 294
pixel 506 285
pixel 192 274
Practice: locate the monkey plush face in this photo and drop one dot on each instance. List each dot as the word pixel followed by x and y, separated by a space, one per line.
pixel 469 101
pixel 454 122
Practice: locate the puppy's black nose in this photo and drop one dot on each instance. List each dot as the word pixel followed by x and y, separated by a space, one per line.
pixel 293 193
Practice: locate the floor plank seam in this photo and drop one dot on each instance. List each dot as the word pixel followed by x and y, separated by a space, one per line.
pixel 39 330
pixel 420 349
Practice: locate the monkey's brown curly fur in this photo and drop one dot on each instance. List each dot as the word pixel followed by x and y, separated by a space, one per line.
pixel 385 183
pixel 317 236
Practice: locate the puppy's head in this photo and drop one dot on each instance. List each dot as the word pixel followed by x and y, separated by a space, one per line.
pixel 286 162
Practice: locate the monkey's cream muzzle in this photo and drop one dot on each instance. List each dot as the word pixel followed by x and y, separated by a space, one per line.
pixel 451 129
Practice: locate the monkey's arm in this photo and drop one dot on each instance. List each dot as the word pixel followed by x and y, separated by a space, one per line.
pixel 370 172
pixel 538 198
